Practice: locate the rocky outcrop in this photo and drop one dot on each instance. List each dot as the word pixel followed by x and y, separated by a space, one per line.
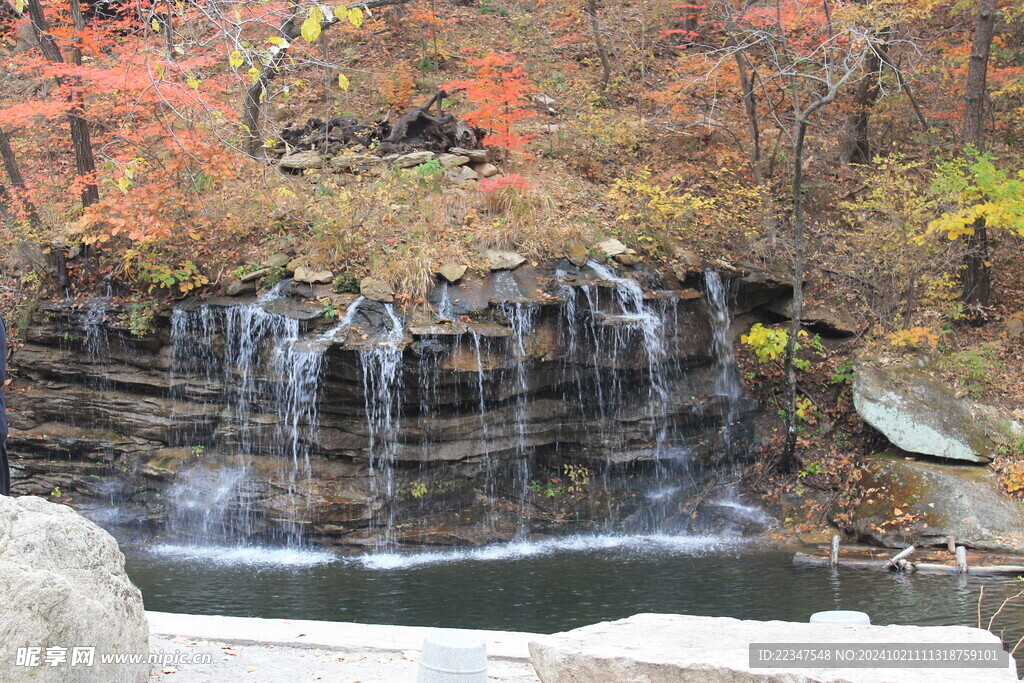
pixel 535 372
pixel 924 502
pixel 919 414
pixel 63 587
pixel 669 648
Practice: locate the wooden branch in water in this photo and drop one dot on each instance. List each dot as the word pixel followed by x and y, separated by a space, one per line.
pixel 899 561
pixel 925 568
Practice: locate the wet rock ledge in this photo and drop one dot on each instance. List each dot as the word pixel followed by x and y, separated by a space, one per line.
pixel 534 399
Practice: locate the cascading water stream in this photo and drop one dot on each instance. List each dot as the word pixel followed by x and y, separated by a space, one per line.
pixel 727 381
pixel 636 314
pixel 271 406
pixel 381 365
pixel 521 319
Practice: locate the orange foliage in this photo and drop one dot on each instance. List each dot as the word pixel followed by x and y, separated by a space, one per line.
pixel 500 90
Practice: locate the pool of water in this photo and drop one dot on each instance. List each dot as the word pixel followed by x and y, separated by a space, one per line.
pixel 552 585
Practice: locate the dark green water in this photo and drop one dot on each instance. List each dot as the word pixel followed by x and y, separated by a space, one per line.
pixel 552 586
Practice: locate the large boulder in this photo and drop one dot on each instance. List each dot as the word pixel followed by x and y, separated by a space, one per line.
pixel 921 414
pixel 63 585
pixel 924 502
pixel 673 648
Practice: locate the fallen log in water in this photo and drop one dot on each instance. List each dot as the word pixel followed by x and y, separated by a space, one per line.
pixel 900 563
pixel 925 567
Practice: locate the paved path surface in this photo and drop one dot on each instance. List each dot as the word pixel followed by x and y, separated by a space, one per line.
pixel 270 650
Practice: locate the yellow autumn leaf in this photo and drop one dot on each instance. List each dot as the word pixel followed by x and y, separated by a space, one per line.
pixel 343 82
pixel 277 40
pixel 235 59
pixel 155 25
pixel 19 6
pixel 269 142
pixel 193 82
pixel 123 184
pixel 355 17
pixel 311 26
pixel 254 74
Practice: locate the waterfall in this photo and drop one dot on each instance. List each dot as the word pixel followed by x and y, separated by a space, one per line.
pixel 537 412
pixel 270 406
pixel 350 313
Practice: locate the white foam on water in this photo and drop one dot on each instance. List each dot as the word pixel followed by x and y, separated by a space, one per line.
pixel 245 555
pixel 654 543
pixel 388 561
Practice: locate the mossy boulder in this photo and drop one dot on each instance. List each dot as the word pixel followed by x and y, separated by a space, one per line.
pixel 920 414
pixel 914 501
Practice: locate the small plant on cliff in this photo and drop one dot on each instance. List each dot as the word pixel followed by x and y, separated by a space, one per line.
pixel 417 490
pixel 578 475
pixel 914 337
pixel 241 271
pixel 185 277
pixel 767 343
pixel 548 489
pixel 139 318
pixel 972 370
pixel 345 282
pixel 329 308
pixel 273 277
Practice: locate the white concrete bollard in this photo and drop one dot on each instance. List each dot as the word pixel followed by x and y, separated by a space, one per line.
pixel 841 616
pixel 453 658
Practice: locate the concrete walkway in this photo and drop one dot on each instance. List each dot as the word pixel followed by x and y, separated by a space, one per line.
pixel 293 650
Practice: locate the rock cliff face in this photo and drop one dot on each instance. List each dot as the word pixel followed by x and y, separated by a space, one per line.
pixel 535 400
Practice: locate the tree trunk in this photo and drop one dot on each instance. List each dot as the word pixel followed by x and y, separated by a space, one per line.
pixel 799 230
pixel 856 147
pixel 974 112
pixel 85 163
pixel 750 105
pixel 17 181
pixel 602 53
pixel 977 279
